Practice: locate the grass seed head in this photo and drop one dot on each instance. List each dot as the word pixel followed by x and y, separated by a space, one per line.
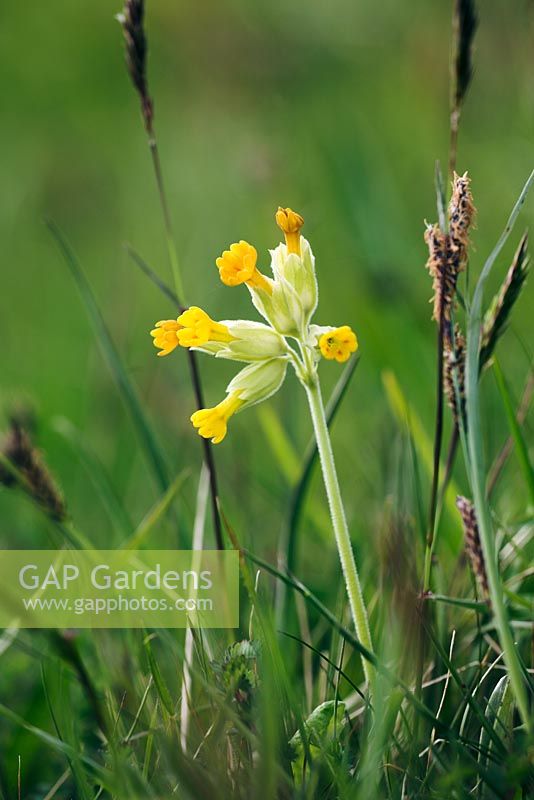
pixel 462 213
pixel 498 314
pixel 473 545
pixel 27 460
pixel 454 362
pixel 448 250
pixel 132 22
pixel 444 279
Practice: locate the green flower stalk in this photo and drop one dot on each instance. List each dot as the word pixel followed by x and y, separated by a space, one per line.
pixel 287 302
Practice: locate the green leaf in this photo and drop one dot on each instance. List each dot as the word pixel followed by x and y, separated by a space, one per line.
pixel 317 726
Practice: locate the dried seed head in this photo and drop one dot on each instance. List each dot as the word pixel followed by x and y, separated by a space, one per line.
pixel 444 277
pixel 454 375
pixel 498 314
pixel 448 251
pixel 461 216
pixel 472 543
pixel 38 482
pixel 131 21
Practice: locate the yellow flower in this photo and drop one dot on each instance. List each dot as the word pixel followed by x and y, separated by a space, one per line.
pixel 338 344
pixel 238 265
pixel 165 335
pixel 291 223
pixel 212 422
pixel 198 328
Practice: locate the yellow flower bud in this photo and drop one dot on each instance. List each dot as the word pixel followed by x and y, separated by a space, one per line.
pixel 290 223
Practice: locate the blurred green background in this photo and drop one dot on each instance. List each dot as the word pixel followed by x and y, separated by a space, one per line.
pixel 338 110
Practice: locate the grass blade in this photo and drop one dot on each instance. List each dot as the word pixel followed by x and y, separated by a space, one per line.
pixel 515 430
pixel 155 513
pixel 128 392
pixel 406 416
pixel 95 469
pixel 476 467
pixel 58 746
pixel 159 682
pixel 472 605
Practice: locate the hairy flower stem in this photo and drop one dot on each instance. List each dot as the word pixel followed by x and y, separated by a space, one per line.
pixel 339 523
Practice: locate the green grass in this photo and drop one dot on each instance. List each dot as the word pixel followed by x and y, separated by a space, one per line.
pixel 339 110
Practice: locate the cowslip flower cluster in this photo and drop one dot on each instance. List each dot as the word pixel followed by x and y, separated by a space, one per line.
pixel 286 301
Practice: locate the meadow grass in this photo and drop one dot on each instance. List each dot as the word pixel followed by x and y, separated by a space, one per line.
pixel 282 707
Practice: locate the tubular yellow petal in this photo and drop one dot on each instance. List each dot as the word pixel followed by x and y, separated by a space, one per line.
pixel 197 328
pixel 261 281
pixel 338 344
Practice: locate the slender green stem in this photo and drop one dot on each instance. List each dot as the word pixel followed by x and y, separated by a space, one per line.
pixel 181 302
pixel 339 522
pixel 169 236
pixel 433 519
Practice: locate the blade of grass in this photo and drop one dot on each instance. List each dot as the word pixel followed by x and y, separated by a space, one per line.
pixel 159 682
pixel 128 392
pixel 55 695
pixel 515 430
pixel 442 728
pixel 406 416
pixel 471 700
pixel 475 465
pixel 97 473
pixel 335 667
pixel 147 270
pixel 502 457
pixel 157 511
pixel 104 776
pixel 187 671
pixel 278 440
pixel 458 601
